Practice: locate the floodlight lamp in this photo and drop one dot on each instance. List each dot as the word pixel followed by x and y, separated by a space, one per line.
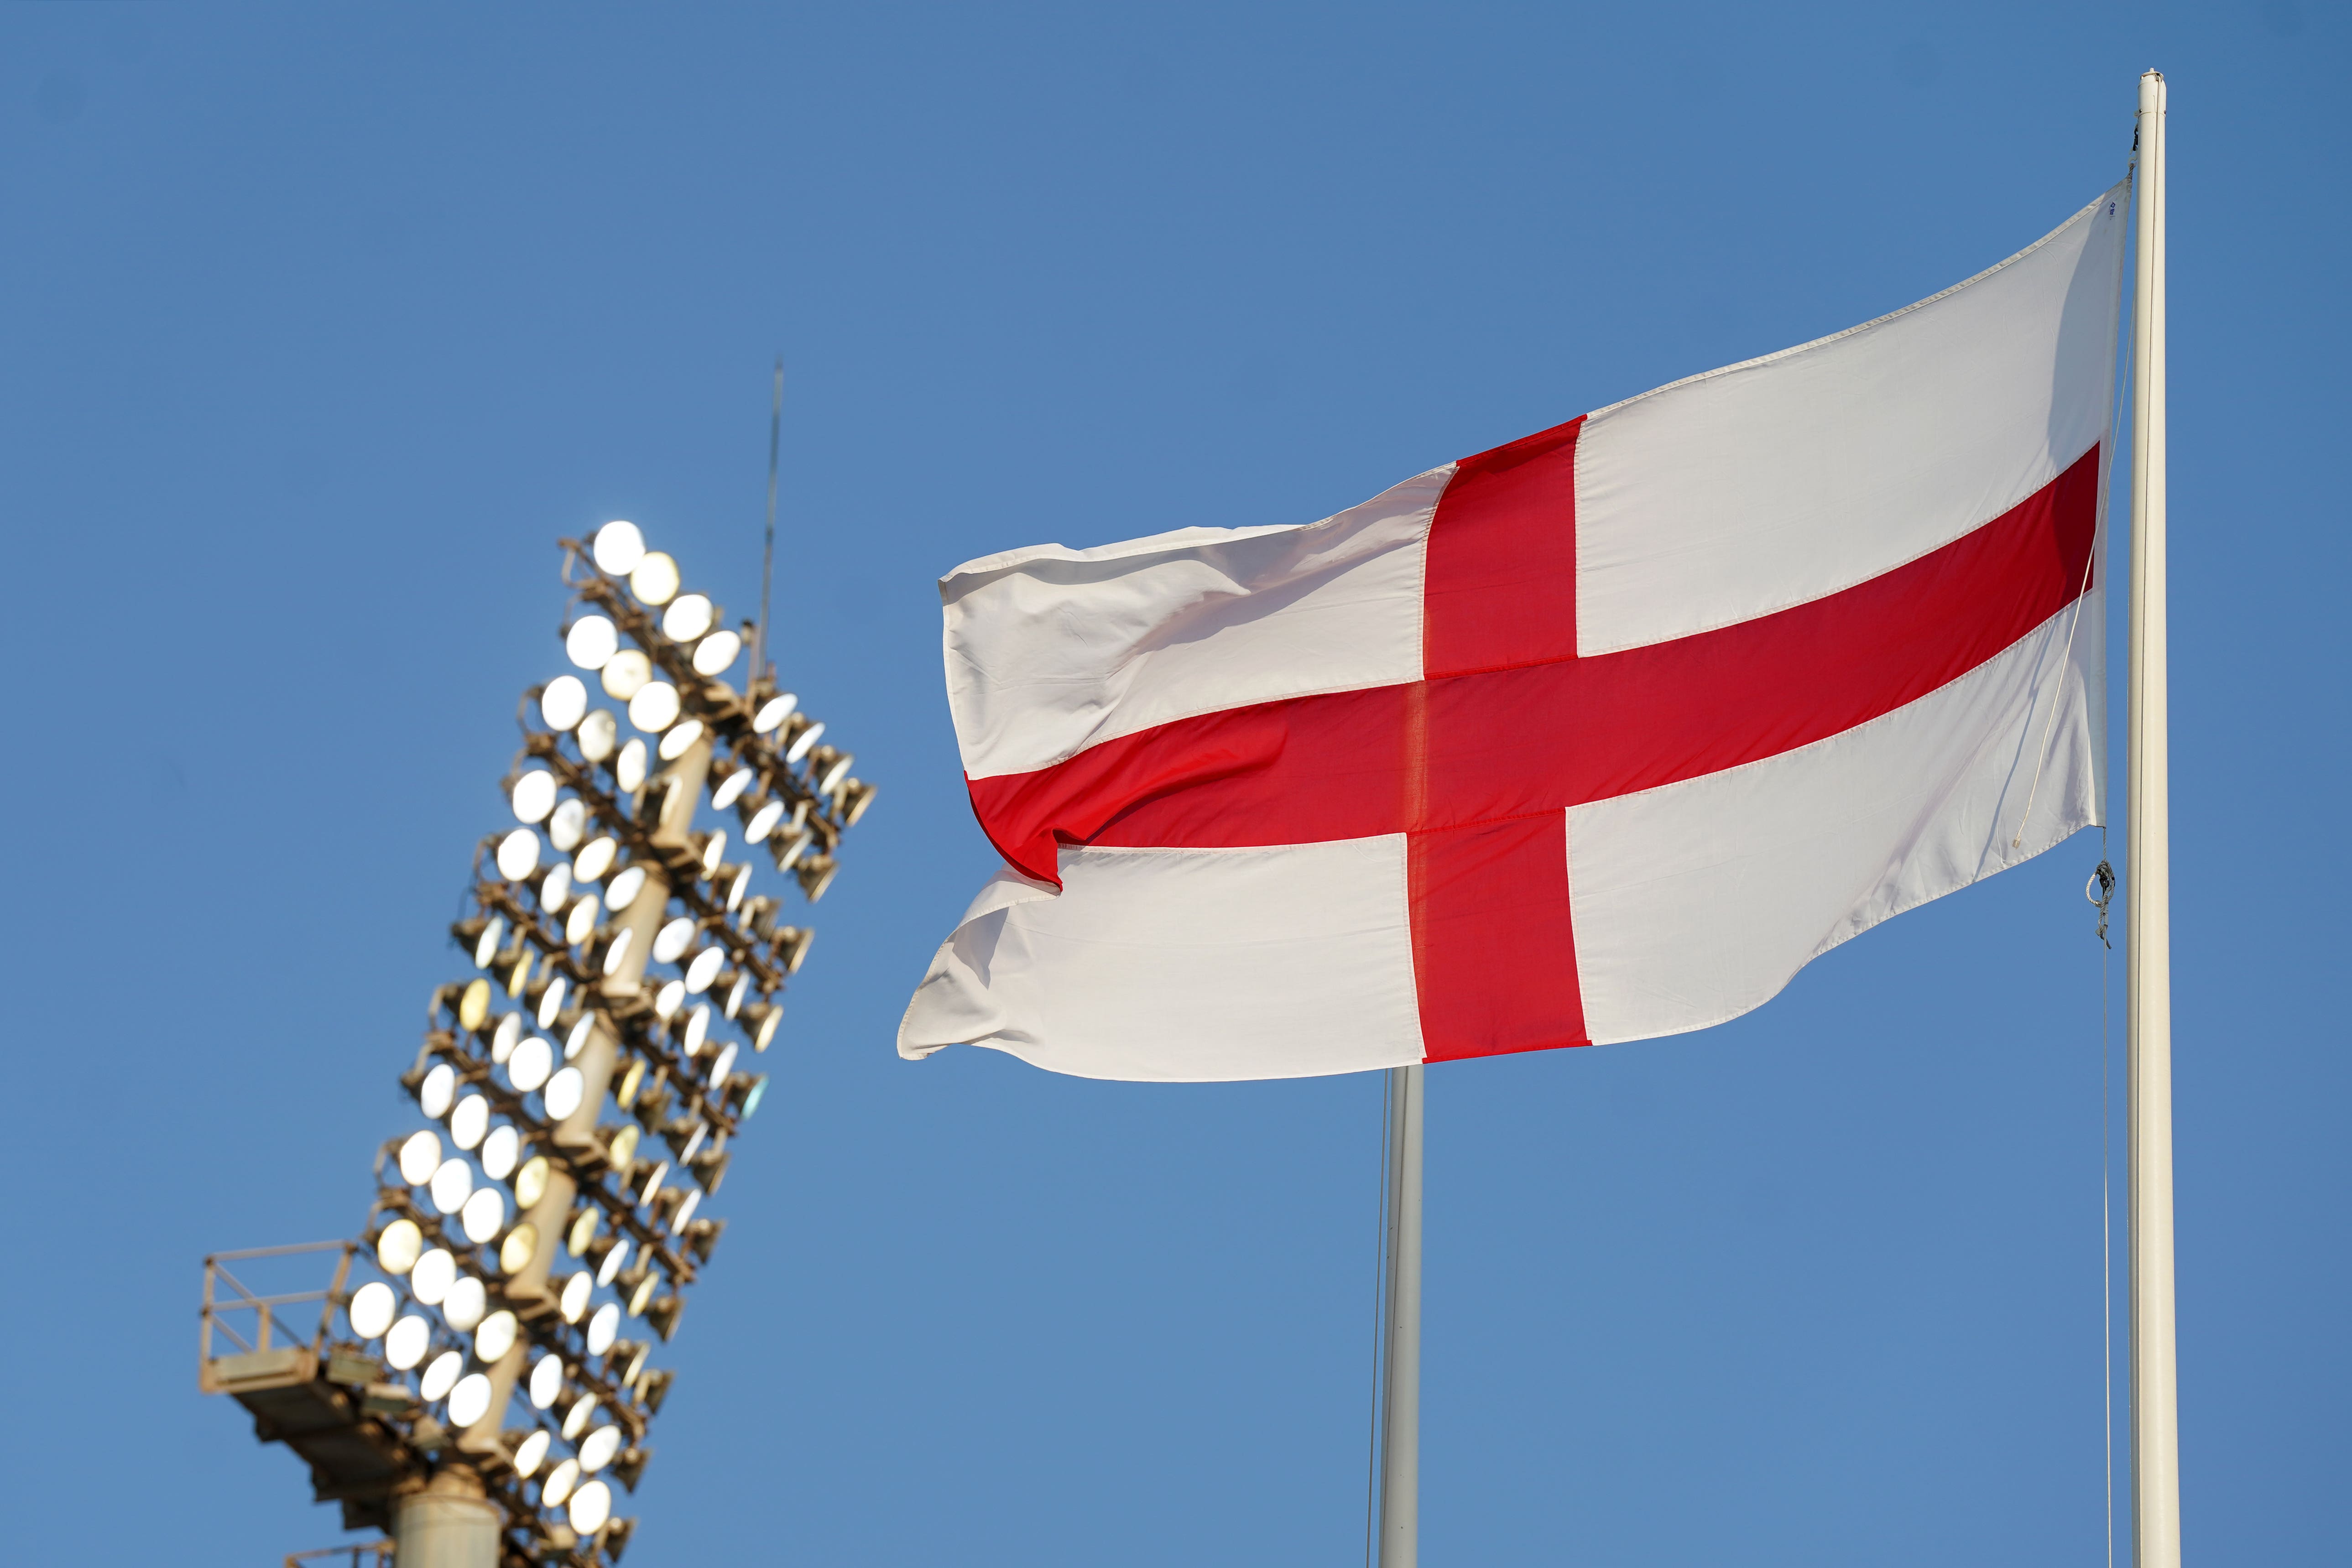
pixel 653 1183
pixel 751 1097
pixel 451 1185
pixel 518 854
pixel 581 924
pixel 854 798
pixel 593 860
pixel 470 1400
pixel 802 742
pixel 591 642
pixel 584 1231
pixel 698 1022
pixel 406 1341
pixel 533 796
pixel 655 580
pixel 441 1376
pixel 626 886
pixel 627 1093
pixel 672 939
pixel 704 970
pixel 717 653
pixel 577 1040
pixel 590 1507
pixel 685 1216
pixel 714 851
pixel 643 1292
pixel 558 1483
pixel 831 768
pixel 598 733
pixel 470 1123
pixel 486 945
pixel 763 822
pixel 397 1248
pixel 465 1303
pixel 531 1063
pixel 793 945
pixel 722 1067
pixel 610 1269
pixel 654 708
pixel 623 1146
pixel 616 954
pixel 439 1087
pixel 574 1303
pixel 550 1002
pixel 483 1214
pixel 562 702
pixel 669 999
pixel 546 1383
pixel 768 1029
pixel 736 889
pixel 788 855
pixel 773 711
pixel 629 773
pixel 530 1182
pixel 555 889
pixel 371 1309
pixel 663 1315
pixel 499 1152
pixel 726 791
pixel 420 1156
pixel 531 1452
pixel 627 674
pixel 679 738
pixel 435 1272
pixel 618 547
pixel 508 1036
pixel 567 828
pixel 816 873
pixel 735 995
pixel 688 617
pixel 597 1449
pixel 603 1327
pixel 564 1092
pixel 495 1337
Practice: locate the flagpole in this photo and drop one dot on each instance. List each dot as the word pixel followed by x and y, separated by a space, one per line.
pixel 1401 1381
pixel 2155 1390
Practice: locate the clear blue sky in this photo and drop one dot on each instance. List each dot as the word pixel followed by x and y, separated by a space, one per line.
pixel 317 325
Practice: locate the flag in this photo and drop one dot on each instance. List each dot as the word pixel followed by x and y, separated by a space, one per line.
pixel 1597 736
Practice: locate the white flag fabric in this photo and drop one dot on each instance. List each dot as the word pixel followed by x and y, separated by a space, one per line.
pixel 1594 737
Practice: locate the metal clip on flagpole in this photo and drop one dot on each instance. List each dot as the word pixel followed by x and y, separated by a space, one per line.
pixel 1400 1512
pixel 2155 1389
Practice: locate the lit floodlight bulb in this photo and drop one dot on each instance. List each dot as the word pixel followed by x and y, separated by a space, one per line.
pixel 531 1062
pixel 509 1033
pixel 583 1232
pixel 551 1003
pixel 518 854
pixel 704 970
pixel 533 796
pixel 737 889
pixel 685 1214
pixel 396 1249
pixel 803 742
pixel 625 888
pixel 470 1400
pixel 406 1341
pixel 530 1182
pixel 464 1305
pixel 726 792
pixel 485 946
pixel 735 995
pixel 564 1092
pixel 500 1150
pixel 546 1381
pixel 758 1092
pixel 763 822
pixel 655 707
pixel 655 580
pixel 576 1419
pixel 831 779
pixel 627 1095
pixel 678 739
pixel 372 1307
pixel 581 924
pixel 452 1185
pixel 693 1142
pixel 773 711
pixel 618 547
pixel 717 653
pixel 595 858
pixel 577 1041
pixel 628 670
pixel 669 999
pixel 558 1483
pixel 596 1451
pixel 598 733
pixel 672 939
pixel 604 1328
pixel 722 1067
pixel 698 1023
pixel 614 1260
pixel 469 1123
pixel 566 828
pixel 714 849
pixel 591 642
pixel 555 889
pixel 630 772
pixel 441 1376
pixel 435 1272
pixel 574 1299
pixel 419 1158
pixel 483 1214
pixel 562 702
pixel 495 1337
pixel 474 1006
pixel 530 1453
pixel 521 1245
pixel 688 617
pixel 439 1090
pixel 590 1507
pixel 653 1183
pixel 618 953
pixel 768 1029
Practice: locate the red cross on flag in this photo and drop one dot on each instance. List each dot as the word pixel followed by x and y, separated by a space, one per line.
pixel 1596 736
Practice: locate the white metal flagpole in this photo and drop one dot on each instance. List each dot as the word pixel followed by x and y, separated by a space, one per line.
pixel 1400 1385
pixel 2155 1389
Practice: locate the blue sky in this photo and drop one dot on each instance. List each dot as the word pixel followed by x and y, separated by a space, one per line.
pixel 318 325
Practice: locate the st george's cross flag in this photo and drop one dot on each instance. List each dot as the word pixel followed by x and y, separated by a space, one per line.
pixel 1596 736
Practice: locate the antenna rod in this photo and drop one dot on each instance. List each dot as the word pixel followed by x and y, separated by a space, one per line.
pixel 768 560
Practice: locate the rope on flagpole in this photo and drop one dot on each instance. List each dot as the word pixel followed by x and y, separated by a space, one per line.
pixel 2104 879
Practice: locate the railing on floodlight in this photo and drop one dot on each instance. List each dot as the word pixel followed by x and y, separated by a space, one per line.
pixel 270 1348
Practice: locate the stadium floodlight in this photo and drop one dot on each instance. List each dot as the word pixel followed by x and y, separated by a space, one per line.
pixel 577 1085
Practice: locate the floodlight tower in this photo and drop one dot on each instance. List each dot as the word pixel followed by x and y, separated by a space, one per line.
pixel 483 1369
